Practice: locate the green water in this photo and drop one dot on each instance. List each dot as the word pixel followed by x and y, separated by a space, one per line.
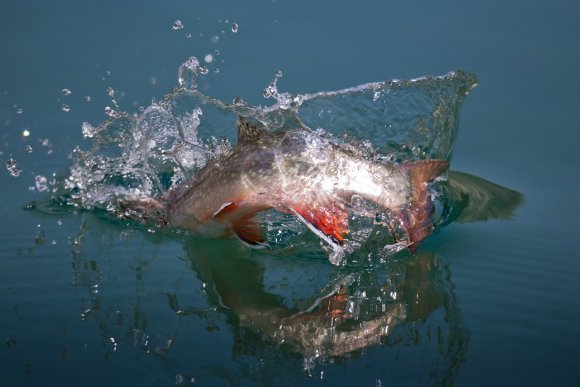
pixel 85 300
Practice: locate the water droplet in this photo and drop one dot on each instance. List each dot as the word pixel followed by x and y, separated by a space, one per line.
pixel 39 237
pixel 177 25
pixel 10 342
pixel 208 58
pixel 65 108
pixel 235 28
pixel 85 313
pixel 12 168
pixel 110 112
pixel 25 133
pixel 28 149
pixel 188 72
pixel 65 92
pixel 41 183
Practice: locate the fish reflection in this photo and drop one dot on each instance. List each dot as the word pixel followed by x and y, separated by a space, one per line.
pixel 357 307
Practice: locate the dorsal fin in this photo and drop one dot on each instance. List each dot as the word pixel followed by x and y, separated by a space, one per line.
pixel 248 132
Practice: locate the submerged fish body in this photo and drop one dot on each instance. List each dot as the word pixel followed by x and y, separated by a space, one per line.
pixel 300 173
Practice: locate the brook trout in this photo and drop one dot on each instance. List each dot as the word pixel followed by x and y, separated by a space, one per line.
pixel 296 172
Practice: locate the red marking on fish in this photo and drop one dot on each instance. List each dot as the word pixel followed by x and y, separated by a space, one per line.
pixel 330 219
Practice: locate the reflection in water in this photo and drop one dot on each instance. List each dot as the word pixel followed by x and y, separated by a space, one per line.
pixel 357 307
pixel 277 308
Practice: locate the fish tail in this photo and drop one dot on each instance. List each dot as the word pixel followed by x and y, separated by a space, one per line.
pixel 416 218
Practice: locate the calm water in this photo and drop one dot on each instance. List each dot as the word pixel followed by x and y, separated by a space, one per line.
pixel 87 300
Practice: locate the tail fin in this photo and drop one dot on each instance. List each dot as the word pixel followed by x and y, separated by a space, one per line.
pixel 416 218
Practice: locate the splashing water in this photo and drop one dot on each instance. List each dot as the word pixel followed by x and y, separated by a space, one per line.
pixel 13 168
pixel 150 153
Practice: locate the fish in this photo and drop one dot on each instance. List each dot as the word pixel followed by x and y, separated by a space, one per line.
pixel 297 172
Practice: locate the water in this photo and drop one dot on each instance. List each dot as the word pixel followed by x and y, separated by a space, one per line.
pixel 87 299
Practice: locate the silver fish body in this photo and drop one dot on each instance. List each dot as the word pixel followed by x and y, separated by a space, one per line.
pixel 301 173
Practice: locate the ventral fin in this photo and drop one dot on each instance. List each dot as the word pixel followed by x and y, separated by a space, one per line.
pixel 329 221
pixel 248 132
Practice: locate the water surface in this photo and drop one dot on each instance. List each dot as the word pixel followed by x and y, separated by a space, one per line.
pixel 90 300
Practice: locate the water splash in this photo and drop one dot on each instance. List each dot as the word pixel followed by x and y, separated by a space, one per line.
pixel 147 154
pixel 177 25
pixel 12 168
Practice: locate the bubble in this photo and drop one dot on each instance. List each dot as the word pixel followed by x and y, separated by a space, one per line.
pixel 279 74
pixel 65 92
pixel 216 70
pixel 177 25
pixel 25 133
pixel 19 111
pixel 59 222
pixel 203 70
pixel 235 28
pixel 110 91
pixel 87 98
pixel 12 168
pixel 208 58
pixel 214 39
pixel 65 108
pixel 28 149
pixel 188 35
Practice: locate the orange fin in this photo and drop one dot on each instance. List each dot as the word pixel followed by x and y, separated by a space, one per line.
pixel 249 232
pixel 240 217
pixel 417 218
pixel 330 222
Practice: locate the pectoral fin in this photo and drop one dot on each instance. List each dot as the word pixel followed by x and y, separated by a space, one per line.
pixel 330 221
pixel 240 216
